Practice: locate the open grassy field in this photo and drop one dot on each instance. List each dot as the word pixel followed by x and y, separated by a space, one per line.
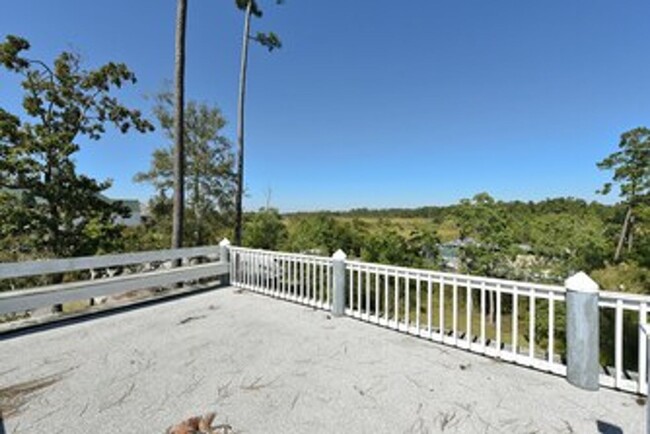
pixel 447 230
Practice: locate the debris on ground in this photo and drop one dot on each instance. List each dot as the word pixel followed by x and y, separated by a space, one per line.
pixel 199 425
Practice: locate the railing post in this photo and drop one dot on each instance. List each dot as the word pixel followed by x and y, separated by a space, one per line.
pixel 644 330
pixel 338 283
pixel 582 331
pixel 224 257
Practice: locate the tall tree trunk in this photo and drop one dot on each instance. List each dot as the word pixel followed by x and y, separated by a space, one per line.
pixel 240 127
pixel 624 231
pixel 630 234
pixel 179 126
pixel 198 203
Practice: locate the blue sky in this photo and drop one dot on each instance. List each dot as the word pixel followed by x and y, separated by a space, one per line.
pixel 376 103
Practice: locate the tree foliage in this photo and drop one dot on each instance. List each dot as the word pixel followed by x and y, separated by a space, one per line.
pixel 265 230
pixel 46 206
pixel 209 178
pixel 631 167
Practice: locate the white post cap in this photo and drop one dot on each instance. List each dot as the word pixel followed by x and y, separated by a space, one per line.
pixel 581 282
pixel 224 242
pixel 339 255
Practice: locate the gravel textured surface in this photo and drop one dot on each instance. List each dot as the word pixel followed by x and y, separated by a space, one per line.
pixel 269 366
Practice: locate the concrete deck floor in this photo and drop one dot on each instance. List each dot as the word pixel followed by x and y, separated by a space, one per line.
pixel 268 366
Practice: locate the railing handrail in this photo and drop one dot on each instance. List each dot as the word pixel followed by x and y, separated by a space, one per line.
pixel 50 266
pixel 284 254
pixel 27 299
pixel 404 269
pixel 625 296
pixel 462 278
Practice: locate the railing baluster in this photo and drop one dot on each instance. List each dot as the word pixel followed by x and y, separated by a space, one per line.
pixel 359 291
pixel 396 300
pixel 407 300
pixel 515 319
pixel 377 296
pixel 247 270
pixel 309 281
pixel 314 281
pixel 302 283
pixel 367 293
pixel 454 312
pixel 531 328
pixel 417 304
pixel 618 343
pixel 351 289
pixel 483 337
pixel 468 313
pixel 441 309
pixel 295 283
pixel 498 331
pixel 256 274
pixel 386 309
pixel 551 328
pixel 253 276
pixel 321 286
pixel 284 269
pixel 429 304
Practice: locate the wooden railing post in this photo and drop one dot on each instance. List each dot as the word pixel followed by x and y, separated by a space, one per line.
pixel 224 257
pixel 582 331
pixel 338 283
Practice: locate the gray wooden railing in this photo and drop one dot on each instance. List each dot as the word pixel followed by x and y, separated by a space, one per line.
pixel 140 270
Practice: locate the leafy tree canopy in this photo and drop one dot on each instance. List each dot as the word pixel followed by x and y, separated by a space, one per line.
pixel 209 178
pixel 45 203
pixel 631 165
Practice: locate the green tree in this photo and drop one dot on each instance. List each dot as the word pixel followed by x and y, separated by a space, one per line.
pixel 423 244
pixel 209 178
pixel 631 167
pixel 265 230
pixel 386 246
pixel 489 247
pixel 322 234
pixel 179 125
pixel 271 41
pixel 44 202
pixel 486 227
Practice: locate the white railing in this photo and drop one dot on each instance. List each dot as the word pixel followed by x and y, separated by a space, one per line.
pixel 619 304
pixel 459 310
pixel 518 322
pixel 300 278
pixel 102 276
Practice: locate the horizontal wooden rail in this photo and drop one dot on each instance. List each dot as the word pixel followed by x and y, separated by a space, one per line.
pixel 28 299
pixel 35 268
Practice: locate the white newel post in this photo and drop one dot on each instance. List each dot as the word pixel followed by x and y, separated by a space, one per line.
pixel 582 332
pixel 224 257
pixel 644 330
pixel 338 283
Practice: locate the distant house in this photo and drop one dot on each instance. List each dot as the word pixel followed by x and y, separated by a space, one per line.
pixel 136 213
pixel 450 252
